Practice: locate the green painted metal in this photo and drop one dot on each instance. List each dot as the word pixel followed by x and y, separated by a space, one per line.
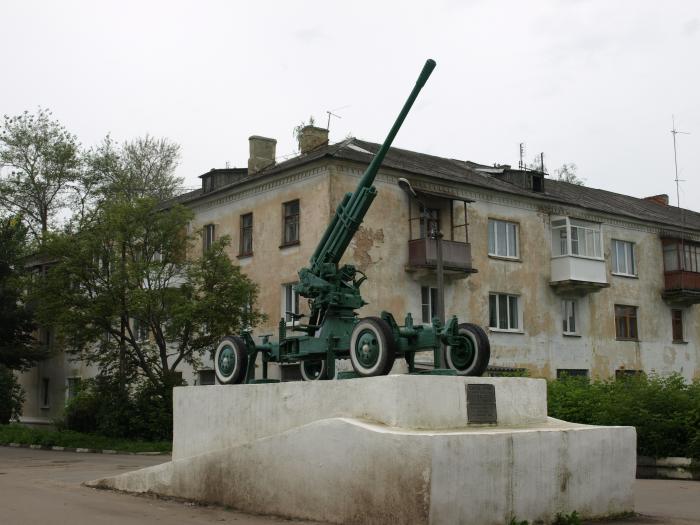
pixel 334 295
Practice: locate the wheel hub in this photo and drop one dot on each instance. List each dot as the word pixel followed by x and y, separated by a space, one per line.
pixel 227 360
pixel 367 348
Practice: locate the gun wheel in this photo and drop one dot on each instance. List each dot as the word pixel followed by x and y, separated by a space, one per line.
pixel 313 370
pixel 231 360
pixel 472 357
pixel 372 347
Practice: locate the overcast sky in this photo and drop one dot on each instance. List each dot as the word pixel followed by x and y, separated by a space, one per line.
pixel 589 82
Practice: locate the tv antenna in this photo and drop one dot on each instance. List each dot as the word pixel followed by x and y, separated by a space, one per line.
pixel 521 163
pixel 331 113
pixel 675 132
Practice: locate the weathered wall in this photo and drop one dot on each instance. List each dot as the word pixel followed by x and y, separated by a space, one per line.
pixel 380 249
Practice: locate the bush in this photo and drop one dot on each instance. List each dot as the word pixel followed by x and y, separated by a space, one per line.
pixel 664 410
pixel 11 396
pixel 101 407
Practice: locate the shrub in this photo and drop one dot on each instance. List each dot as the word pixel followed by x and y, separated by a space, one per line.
pixel 664 410
pixel 11 396
pixel 102 407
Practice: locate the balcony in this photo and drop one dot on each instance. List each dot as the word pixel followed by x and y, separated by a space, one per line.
pixel 571 275
pixel 456 256
pixel 578 266
pixel 681 272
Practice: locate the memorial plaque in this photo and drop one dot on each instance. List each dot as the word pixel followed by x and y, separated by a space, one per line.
pixel 481 403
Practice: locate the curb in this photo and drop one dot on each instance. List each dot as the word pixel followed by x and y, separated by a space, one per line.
pixel 81 450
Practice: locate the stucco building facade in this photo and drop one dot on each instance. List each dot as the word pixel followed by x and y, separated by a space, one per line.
pixel 566 279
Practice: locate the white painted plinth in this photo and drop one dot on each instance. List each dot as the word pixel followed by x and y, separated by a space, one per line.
pixel 394 449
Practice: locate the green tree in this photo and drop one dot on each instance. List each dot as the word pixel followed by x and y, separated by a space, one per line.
pixel 18 350
pixel 40 166
pixel 123 295
pixel 567 173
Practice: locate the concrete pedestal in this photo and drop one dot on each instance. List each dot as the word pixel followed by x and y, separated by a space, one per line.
pixel 394 449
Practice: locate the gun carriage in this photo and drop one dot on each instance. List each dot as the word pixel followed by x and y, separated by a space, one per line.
pixel 334 329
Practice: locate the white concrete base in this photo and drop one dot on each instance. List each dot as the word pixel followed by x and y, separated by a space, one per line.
pixel 303 456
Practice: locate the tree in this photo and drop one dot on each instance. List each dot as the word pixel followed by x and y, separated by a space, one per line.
pixel 143 167
pixel 18 349
pixel 127 270
pixel 567 173
pixel 41 163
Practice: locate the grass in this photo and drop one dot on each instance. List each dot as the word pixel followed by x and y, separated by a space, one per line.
pixel 67 438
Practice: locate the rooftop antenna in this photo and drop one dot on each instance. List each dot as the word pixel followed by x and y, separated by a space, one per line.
pixel 521 163
pixel 675 132
pixel 331 113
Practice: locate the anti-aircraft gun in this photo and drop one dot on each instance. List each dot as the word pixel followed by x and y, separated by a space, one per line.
pixel 334 330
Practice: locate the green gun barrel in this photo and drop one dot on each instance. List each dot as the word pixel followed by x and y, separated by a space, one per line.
pixel 353 208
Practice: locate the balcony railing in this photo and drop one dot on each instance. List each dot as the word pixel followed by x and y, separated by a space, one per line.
pixel 456 256
pixel 682 287
pixel 577 275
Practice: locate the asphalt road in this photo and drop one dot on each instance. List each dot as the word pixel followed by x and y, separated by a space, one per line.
pixel 39 486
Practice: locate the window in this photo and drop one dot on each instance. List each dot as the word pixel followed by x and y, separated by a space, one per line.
pixel 246 240
pixel 73 388
pixel 140 330
pixel 503 239
pixel 45 392
pixel 626 322
pixel 623 258
pixel 206 377
pixel 572 372
pixel 290 302
pixel 682 255
pixel 677 325
pixel 504 313
pixel 622 373
pixel 576 237
pixel 291 223
pixel 429 221
pixel 428 300
pixel 209 236
pixel 569 310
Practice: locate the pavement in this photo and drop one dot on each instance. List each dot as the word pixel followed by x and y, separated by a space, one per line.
pixel 43 486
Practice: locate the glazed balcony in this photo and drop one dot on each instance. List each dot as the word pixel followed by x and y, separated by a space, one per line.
pixel 577 265
pixel 681 272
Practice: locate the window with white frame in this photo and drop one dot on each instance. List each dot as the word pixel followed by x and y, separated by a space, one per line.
pixel 428 299
pixel 290 302
pixel 503 239
pixel 504 312
pixel 623 258
pixel 576 237
pixel 569 311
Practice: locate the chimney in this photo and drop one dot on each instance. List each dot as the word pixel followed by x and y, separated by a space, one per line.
pixel 311 138
pixel 262 153
pixel 658 199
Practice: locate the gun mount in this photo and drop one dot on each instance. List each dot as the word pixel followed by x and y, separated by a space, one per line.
pixel 334 330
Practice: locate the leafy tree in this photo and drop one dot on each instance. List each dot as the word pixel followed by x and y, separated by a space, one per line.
pixel 123 295
pixel 11 396
pixel 567 173
pixel 41 166
pixel 18 350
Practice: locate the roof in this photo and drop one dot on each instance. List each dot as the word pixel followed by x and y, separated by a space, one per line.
pixel 479 175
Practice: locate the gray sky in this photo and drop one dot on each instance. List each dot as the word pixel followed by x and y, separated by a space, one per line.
pixel 589 82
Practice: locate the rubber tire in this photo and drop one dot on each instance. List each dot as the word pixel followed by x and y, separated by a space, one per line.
pixel 306 377
pixel 240 353
pixel 483 351
pixel 386 347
